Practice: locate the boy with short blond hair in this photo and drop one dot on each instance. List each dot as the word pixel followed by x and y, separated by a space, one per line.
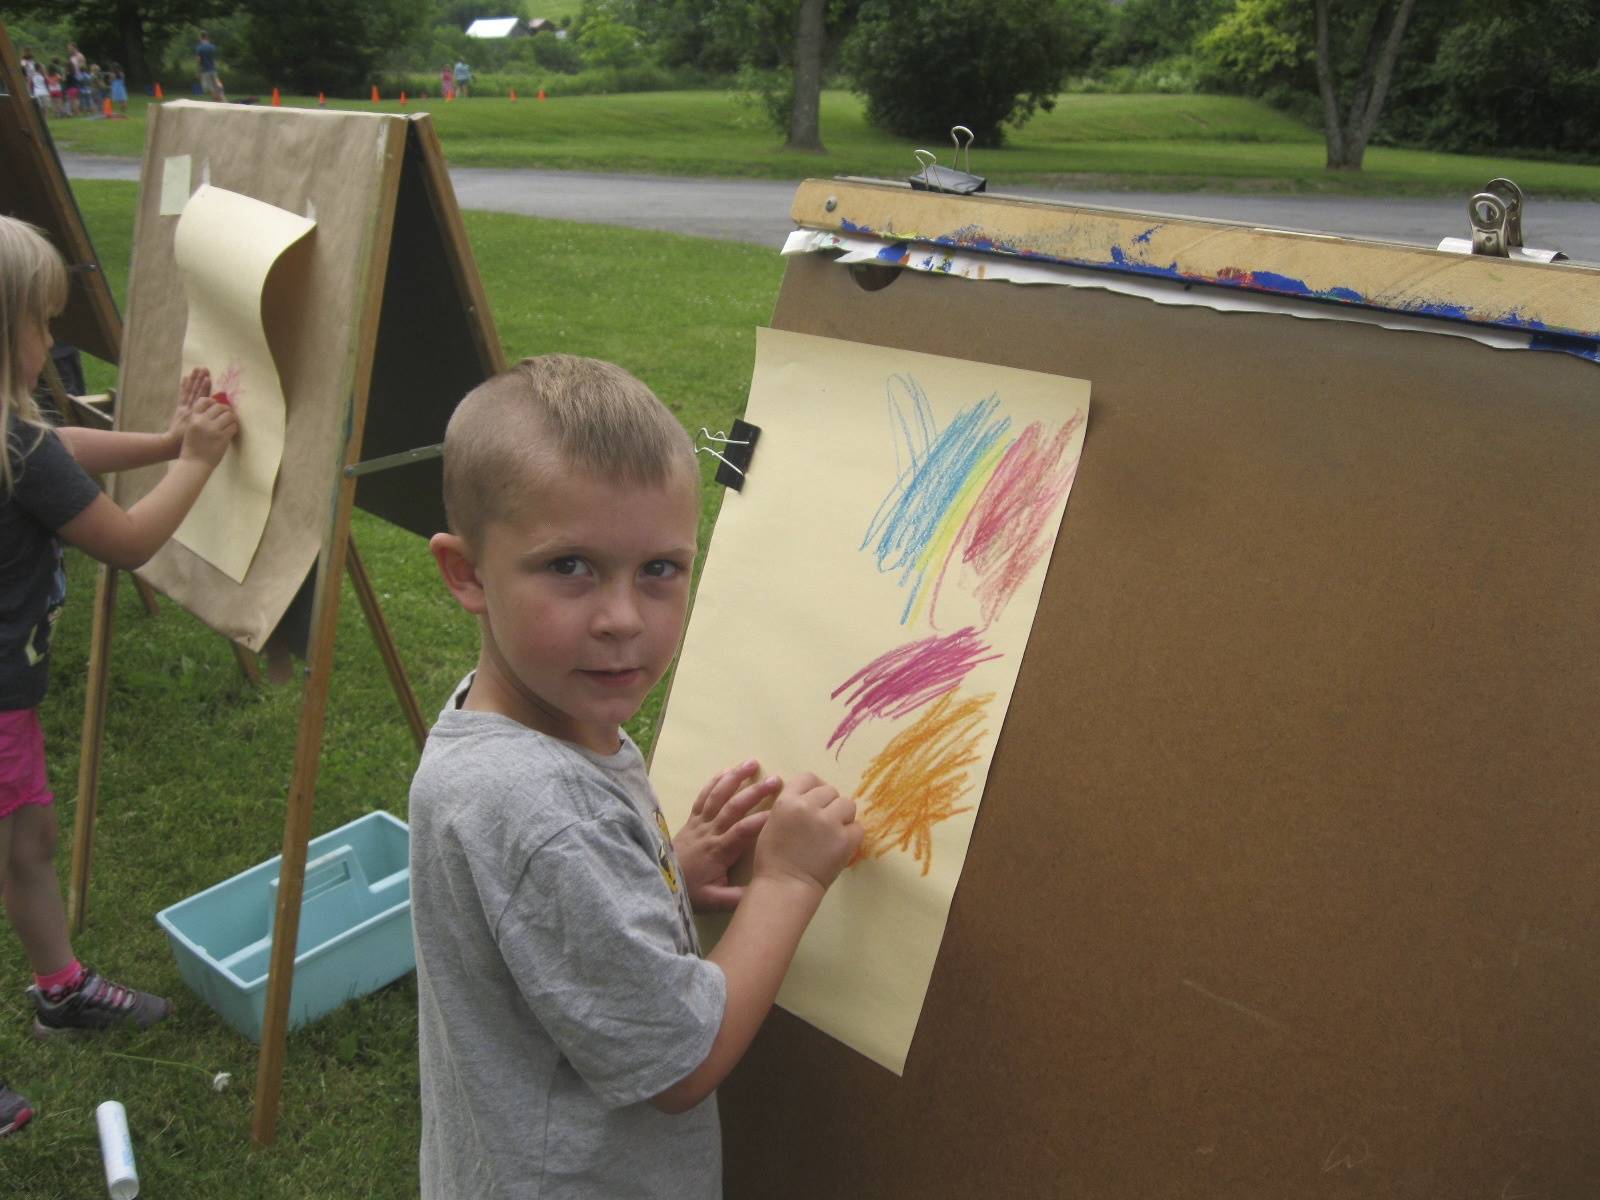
pixel 571 1035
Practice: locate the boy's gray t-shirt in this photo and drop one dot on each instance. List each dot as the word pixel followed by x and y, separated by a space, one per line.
pixel 559 980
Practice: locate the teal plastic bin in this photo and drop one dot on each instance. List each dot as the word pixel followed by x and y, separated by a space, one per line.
pixel 355 927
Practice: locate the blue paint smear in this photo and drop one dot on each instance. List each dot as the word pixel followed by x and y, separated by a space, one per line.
pixel 1581 343
pixel 928 479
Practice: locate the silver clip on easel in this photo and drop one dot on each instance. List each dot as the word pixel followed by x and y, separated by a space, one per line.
pixel 1496 215
pixel 721 436
pixel 962 148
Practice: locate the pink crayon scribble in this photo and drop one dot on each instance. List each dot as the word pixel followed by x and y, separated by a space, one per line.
pixel 1006 533
pixel 906 678
pixel 228 389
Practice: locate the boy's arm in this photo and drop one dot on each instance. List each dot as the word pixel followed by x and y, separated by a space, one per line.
pixel 809 837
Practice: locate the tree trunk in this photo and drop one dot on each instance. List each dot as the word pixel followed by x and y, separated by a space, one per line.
pixel 805 118
pixel 130 27
pixel 1348 131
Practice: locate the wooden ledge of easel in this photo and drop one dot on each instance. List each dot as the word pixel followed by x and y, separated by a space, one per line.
pixel 1529 297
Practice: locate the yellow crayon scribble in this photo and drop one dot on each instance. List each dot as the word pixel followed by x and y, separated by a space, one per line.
pixel 914 782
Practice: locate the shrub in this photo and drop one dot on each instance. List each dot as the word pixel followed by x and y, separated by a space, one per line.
pixel 925 65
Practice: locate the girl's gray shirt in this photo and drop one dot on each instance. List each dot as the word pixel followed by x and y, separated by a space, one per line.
pixel 559 980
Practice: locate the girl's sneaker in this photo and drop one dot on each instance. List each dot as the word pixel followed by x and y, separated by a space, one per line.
pixel 15 1111
pixel 96 1004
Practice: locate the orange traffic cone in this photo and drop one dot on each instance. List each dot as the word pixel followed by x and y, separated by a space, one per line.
pixel 374 93
pixel 513 93
pixel 402 99
pixel 277 101
pixel 105 108
pixel 541 93
pixel 449 96
pixel 160 95
pixel 322 99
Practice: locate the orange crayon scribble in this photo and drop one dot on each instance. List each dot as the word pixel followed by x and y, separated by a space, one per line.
pixel 914 782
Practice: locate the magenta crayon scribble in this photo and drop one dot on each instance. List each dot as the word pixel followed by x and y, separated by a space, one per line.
pixel 228 389
pixel 905 679
pixel 1006 533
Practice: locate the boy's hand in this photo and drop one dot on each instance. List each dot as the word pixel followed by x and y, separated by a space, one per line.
pixel 720 828
pixel 810 835
pixel 211 427
pixel 196 383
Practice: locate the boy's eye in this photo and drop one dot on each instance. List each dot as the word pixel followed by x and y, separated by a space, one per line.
pixel 570 564
pixel 660 568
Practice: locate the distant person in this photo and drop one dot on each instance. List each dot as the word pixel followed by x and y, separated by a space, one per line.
pixel 47 497
pixel 77 72
pixel 447 82
pixel 28 63
pixel 40 88
pixel 206 56
pixel 52 77
pixel 119 89
pixel 463 79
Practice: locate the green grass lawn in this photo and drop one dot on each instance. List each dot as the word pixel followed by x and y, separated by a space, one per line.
pixel 1155 141
pixel 197 763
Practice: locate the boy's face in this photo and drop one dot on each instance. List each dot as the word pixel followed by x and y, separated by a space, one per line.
pixel 581 603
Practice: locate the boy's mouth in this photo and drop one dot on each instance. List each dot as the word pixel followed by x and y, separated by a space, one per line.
pixel 620 677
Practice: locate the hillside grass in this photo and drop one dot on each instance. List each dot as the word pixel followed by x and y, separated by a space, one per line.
pixel 197 763
pixel 1167 142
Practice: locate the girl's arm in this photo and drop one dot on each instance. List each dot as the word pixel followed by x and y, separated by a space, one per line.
pixel 127 539
pixel 100 451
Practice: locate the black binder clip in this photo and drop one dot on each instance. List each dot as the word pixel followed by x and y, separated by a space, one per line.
pixel 934 178
pixel 740 446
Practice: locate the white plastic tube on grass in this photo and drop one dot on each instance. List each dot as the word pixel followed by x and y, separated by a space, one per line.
pixel 116 1151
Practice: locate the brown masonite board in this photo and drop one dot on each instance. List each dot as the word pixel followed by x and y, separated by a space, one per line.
pixel 1285 879
pixel 34 188
pixel 356 173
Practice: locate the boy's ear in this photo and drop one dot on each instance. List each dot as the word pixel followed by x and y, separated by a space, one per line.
pixel 454 557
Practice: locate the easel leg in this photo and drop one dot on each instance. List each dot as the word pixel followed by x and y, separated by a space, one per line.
pixel 248 666
pixel 386 647
pixel 94 727
pixel 147 595
pixel 297 832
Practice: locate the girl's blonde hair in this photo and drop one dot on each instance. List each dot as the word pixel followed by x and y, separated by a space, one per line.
pixel 33 288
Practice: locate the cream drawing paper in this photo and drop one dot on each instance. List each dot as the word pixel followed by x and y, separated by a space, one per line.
pixel 863 611
pixel 226 246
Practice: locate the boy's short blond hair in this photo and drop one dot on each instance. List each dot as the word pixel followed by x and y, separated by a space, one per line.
pixel 556 412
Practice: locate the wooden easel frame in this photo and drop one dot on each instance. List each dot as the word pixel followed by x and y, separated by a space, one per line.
pixel 337 556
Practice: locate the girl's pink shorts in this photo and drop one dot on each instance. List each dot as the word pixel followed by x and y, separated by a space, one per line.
pixel 22 779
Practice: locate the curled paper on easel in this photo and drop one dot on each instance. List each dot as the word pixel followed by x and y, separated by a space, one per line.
pixel 883 564
pixel 226 248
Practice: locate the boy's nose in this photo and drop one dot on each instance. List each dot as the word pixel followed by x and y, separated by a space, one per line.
pixel 618 614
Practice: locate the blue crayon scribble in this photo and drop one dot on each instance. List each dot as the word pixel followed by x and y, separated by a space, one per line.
pixel 931 468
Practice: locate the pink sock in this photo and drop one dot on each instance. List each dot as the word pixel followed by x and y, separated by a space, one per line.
pixel 62 981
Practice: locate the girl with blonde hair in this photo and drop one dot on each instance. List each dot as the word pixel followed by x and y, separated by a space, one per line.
pixel 46 497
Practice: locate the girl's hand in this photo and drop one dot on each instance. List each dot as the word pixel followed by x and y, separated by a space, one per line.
pixel 196 384
pixel 211 427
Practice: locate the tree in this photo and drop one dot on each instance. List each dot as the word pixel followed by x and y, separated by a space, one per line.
pixel 805 114
pixel 1349 119
pixel 124 30
pixel 925 65
pixel 329 45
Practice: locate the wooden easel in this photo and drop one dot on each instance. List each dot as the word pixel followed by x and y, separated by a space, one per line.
pixel 387 227
pixel 1283 882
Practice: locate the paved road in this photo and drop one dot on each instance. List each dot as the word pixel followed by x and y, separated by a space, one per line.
pixel 755 210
